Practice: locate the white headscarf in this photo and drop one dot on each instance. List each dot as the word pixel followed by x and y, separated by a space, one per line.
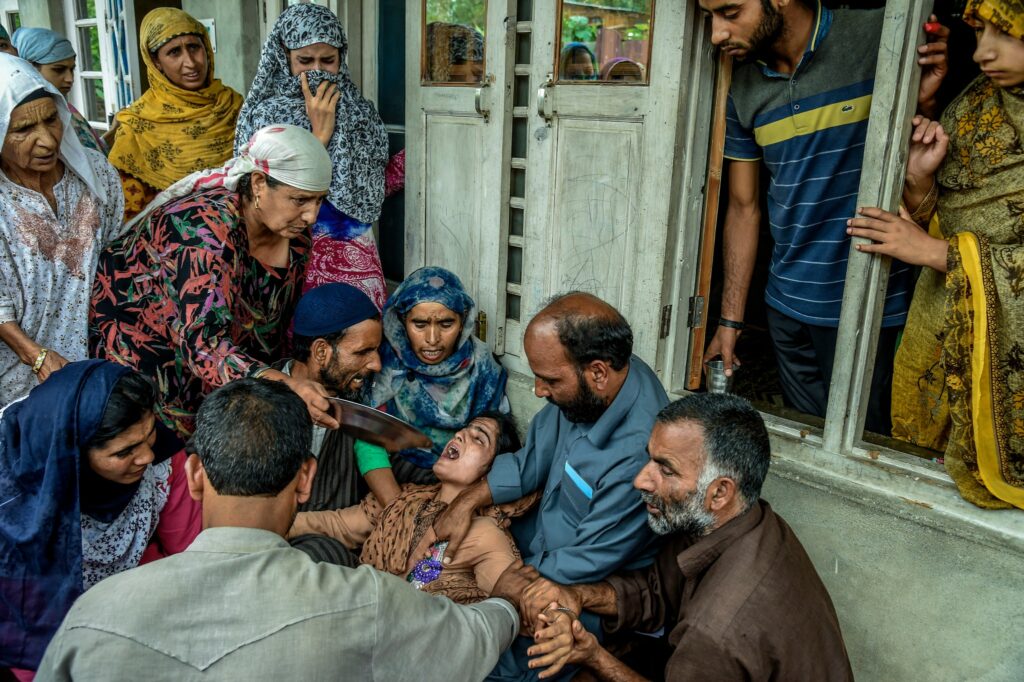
pixel 287 153
pixel 18 80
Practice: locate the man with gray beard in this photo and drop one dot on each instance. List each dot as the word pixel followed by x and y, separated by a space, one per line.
pixel 732 589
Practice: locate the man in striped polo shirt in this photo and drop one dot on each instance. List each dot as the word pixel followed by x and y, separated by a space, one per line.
pixel 800 104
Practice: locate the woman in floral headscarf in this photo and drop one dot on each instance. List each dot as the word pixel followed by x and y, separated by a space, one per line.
pixel 184 122
pixel 958 384
pixel 303 80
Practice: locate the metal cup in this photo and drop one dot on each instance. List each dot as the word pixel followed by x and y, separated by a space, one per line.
pixel 716 380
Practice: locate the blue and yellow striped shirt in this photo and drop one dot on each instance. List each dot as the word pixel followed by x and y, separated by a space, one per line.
pixel 809 128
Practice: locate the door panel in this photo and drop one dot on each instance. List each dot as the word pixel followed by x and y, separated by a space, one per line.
pixel 454 208
pixel 596 193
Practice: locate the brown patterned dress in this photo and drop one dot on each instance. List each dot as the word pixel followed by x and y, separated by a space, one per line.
pixel 389 536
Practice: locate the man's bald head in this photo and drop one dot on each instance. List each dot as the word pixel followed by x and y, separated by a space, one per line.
pixel 587 328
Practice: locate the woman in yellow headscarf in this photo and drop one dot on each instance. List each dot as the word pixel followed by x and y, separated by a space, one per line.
pixel 184 122
pixel 958 384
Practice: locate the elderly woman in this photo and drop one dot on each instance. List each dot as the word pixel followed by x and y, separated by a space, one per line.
pixel 958 384
pixel 392 536
pixel 184 122
pixel 303 80
pixel 89 487
pixel 53 55
pixel 202 287
pixel 577 63
pixel 435 373
pixel 60 205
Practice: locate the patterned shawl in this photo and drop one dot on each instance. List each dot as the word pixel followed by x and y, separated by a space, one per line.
pixel 170 132
pixel 441 398
pixel 959 377
pixel 359 145
pixel 1007 15
pixel 44 488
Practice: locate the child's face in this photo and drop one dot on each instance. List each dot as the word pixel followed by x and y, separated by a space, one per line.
pixel 1000 55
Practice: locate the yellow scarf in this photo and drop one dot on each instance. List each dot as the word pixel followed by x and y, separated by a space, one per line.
pixel 1007 15
pixel 170 132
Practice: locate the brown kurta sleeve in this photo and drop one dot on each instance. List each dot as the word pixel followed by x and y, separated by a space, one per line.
pixel 638 600
pixel 350 526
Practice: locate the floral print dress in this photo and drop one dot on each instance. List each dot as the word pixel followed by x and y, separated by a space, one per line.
pixel 180 299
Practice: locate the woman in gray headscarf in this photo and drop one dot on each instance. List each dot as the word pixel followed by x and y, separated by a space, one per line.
pixel 303 80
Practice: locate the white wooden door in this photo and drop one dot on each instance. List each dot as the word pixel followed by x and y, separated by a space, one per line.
pixel 457 99
pixel 601 151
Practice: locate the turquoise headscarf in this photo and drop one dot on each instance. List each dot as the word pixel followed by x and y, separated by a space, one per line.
pixel 42 46
pixel 4 35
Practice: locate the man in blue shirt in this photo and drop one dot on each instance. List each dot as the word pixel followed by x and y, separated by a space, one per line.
pixel 582 450
pixel 800 104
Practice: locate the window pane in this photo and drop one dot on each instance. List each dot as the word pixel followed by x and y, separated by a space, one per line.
pixel 605 41
pixel 515 265
pixel 95 108
pixel 515 222
pixel 85 9
pixel 454 41
pixel 14 21
pixel 512 306
pixel 89 50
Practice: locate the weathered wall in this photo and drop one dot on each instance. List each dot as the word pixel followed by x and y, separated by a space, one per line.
pixel 915 603
pixel 926 587
pixel 238 38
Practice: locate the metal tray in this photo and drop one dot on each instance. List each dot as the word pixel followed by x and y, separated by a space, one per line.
pixel 379 428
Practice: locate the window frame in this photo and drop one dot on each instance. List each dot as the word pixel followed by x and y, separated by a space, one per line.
pixel 106 75
pixel 893 104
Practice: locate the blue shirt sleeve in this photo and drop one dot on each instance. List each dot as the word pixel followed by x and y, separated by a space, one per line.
pixel 740 144
pixel 516 475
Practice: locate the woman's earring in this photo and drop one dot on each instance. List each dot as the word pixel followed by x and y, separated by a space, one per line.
pixel 256 202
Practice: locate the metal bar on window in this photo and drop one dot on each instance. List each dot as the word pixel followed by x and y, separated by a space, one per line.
pixel 893 104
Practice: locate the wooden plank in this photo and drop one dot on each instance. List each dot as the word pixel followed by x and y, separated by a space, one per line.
pixel 893 104
pixel 723 80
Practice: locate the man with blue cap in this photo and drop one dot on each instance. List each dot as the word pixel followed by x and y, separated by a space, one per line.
pixel 337 333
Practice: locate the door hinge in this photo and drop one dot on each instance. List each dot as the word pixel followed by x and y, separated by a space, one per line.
pixel 481 326
pixel 696 320
pixel 666 321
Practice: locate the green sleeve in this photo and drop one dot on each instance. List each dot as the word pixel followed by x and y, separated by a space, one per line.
pixel 370 457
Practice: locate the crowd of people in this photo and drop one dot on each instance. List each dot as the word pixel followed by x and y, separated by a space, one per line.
pixel 181 300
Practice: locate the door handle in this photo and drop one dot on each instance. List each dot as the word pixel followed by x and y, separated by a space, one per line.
pixel 545 105
pixel 483 108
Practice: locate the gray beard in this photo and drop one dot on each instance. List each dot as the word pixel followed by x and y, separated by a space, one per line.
pixel 687 516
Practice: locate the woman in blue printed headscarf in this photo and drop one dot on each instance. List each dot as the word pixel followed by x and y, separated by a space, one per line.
pixel 303 80
pixel 5 43
pixel 435 373
pixel 577 63
pixel 55 59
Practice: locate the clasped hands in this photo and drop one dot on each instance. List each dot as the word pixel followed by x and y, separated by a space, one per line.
pixel 549 613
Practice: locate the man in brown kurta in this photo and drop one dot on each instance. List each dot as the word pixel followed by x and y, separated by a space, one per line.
pixel 733 588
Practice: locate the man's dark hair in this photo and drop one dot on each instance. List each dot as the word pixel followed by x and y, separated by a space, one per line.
pixel 508 434
pixel 131 400
pixel 302 346
pixel 594 337
pixel 252 436
pixel 735 438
